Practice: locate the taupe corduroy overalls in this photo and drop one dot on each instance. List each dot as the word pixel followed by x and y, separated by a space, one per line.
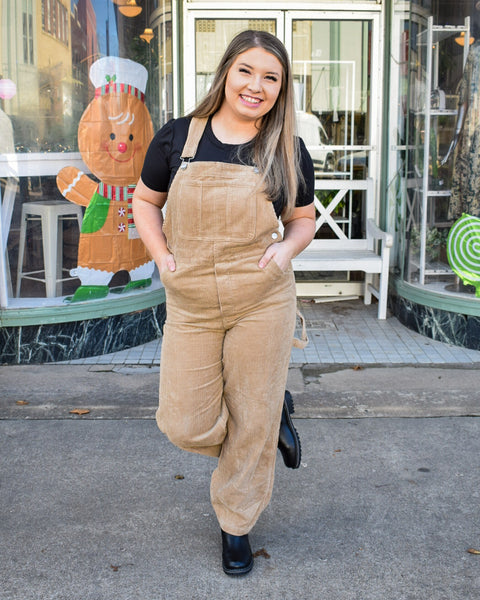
pixel 228 332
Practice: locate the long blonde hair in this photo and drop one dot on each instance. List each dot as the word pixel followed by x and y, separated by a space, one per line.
pixel 275 149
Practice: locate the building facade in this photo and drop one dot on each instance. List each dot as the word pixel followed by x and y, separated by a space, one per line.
pixel 385 89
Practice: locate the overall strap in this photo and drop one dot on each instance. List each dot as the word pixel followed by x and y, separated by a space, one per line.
pixel 303 341
pixel 195 132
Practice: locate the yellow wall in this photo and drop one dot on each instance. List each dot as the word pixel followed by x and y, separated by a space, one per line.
pixel 54 64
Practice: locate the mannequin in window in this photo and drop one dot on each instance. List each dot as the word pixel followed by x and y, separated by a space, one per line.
pixel 466 142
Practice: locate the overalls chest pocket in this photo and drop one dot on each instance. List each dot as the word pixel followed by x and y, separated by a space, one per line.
pixel 217 209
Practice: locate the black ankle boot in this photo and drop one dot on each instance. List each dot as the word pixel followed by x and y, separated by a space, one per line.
pixel 288 440
pixel 237 556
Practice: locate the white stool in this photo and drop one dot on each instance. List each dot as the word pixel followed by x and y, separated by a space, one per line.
pixel 51 213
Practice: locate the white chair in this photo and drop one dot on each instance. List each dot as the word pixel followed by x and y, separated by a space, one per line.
pixel 6 211
pixel 370 254
pixel 51 213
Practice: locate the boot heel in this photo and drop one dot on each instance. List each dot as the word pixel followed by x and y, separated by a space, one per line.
pixel 289 402
pixel 288 438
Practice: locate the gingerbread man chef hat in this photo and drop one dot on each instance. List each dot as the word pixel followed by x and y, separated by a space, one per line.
pixel 115 74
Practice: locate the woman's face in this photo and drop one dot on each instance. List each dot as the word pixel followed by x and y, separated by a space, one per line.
pixel 253 84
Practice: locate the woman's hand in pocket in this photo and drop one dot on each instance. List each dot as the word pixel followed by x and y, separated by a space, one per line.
pixel 279 252
pixel 166 263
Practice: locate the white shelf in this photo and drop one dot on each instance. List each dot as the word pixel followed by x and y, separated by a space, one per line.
pixel 439 193
pixel 430 39
pixel 440 33
pixel 434 268
pixel 438 112
pixel 439 271
pixel 443 112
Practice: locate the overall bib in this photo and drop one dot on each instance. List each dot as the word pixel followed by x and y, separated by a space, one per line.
pixel 228 333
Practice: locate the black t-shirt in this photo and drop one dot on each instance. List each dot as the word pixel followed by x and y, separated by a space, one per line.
pixel 163 159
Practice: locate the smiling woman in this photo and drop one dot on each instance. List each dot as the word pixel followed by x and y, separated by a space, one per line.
pixel 276 150
pixel 229 170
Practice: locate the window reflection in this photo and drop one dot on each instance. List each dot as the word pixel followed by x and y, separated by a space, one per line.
pixel 441 173
pixel 331 66
pixel 48 47
pixel 60 39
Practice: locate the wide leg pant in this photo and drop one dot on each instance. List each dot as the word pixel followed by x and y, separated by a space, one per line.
pixel 221 394
pixel 228 333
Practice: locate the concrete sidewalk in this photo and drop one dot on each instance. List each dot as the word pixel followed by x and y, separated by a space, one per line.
pixel 100 506
pixel 380 509
pixel 38 392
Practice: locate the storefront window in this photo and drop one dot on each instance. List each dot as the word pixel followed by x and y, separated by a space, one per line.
pixel 439 219
pixel 48 83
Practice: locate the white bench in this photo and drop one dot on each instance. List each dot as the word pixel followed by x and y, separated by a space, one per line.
pixel 371 254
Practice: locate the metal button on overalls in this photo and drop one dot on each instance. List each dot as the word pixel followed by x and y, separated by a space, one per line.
pixel 228 332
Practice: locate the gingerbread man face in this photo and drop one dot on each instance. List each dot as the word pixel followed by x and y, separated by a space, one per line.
pixel 113 137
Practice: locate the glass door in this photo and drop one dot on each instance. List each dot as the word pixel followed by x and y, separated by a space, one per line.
pixel 334 62
pixel 337 83
pixel 337 78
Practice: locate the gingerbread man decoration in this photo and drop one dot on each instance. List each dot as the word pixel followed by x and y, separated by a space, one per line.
pixel 113 135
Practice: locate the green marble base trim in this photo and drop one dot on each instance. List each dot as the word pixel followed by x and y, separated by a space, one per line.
pixel 464 306
pixel 93 309
pixel 82 338
pixel 456 327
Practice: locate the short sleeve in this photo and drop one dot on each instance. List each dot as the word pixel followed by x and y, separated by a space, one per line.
pixel 306 192
pixel 156 167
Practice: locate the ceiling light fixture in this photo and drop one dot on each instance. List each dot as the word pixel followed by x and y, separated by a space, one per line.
pixel 461 39
pixel 147 35
pixel 130 9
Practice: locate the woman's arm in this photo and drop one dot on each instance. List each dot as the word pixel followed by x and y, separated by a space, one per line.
pixel 298 233
pixel 147 214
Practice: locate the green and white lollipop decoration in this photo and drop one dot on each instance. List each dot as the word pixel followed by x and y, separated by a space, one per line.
pixel 463 250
